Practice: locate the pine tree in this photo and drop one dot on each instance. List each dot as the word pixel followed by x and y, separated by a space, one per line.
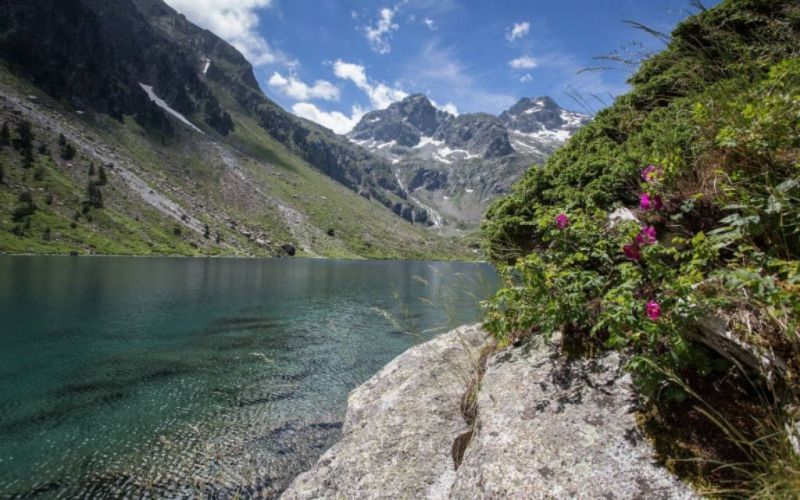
pixel 94 195
pixel 102 178
pixel 24 141
pixel 68 152
pixel 62 141
pixel 2 175
pixel 27 158
pixel 5 136
pixel 91 170
pixel 24 209
pixel 206 231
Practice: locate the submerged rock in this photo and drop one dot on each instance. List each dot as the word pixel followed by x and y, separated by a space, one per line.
pixel 400 426
pixel 546 427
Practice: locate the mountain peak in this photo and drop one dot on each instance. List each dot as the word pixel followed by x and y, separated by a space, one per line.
pixel 528 104
pixel 420 98
pixel 404 122
pixel 538 114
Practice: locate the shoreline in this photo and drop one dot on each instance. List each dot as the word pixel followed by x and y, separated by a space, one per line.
pixel 238 257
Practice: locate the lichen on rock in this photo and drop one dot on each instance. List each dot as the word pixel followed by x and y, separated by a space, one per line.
pixel 547 426
pixel 553 427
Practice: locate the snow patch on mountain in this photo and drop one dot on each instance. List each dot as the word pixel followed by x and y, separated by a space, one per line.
pixel 163 105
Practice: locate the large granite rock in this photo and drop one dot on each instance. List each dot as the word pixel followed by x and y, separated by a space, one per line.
pixel 546 427
pixel 400 426
pixel 550 427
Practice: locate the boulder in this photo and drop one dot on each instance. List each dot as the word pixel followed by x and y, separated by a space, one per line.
pixel 400 427
pixel 545 427
pixel 289 249
pixel 552 427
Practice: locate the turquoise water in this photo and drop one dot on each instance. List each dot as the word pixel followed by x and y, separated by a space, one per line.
pixel 174 377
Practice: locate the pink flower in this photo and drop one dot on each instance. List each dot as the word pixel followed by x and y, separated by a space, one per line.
pixel 562 221
pixel 645 203
pixel 646 236
pixel 653 310
pixel 652 173
pixel 632 251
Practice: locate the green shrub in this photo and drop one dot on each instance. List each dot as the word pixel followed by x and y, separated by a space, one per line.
pixel 717 112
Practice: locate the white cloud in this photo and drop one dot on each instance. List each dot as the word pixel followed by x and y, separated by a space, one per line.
pixel 449 107
pixel 527 78
pixel 301 91
pixel 378 35
pixel 524 62
pixel 380 94
pixel 430 24
pixel 235 21
pixel 336 121
pixel 518 30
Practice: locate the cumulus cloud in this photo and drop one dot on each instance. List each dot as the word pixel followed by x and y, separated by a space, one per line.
pixel 449 107
pixel 378 35
pixel 518 30
pixel 297 89
pixel 336 121
pixel 430 24
pixel 380 94
pixel 235 21
pixel 524 62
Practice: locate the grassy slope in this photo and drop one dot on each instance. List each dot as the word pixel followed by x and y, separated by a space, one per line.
pixel 265 185
pixel 717 112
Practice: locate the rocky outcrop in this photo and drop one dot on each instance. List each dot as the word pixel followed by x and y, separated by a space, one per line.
pixel 400 427
pixel 546 427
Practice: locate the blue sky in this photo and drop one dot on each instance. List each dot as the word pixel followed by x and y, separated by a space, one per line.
pixel 333 60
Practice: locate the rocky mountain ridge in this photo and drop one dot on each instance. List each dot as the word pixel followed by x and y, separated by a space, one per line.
pixel 184 106
pixel 455 165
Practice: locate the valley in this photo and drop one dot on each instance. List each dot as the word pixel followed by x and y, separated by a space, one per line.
pixel 198 161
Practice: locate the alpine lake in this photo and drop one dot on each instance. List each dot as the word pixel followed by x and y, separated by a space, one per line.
pixel 169 377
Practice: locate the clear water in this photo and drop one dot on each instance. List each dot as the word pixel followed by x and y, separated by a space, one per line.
pixel 193 377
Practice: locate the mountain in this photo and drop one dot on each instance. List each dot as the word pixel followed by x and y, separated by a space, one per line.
pixel 454 166
pixel 196 158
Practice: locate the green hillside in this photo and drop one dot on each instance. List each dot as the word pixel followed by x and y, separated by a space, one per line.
pixel 194 194
pixel 700 281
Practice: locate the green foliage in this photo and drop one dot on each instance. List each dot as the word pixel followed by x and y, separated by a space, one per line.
pixel 24 209
pixel 94 197
pixel 102 177
pixel 5 136
pixel 68 152
pixel 717 112
pixel 24 140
